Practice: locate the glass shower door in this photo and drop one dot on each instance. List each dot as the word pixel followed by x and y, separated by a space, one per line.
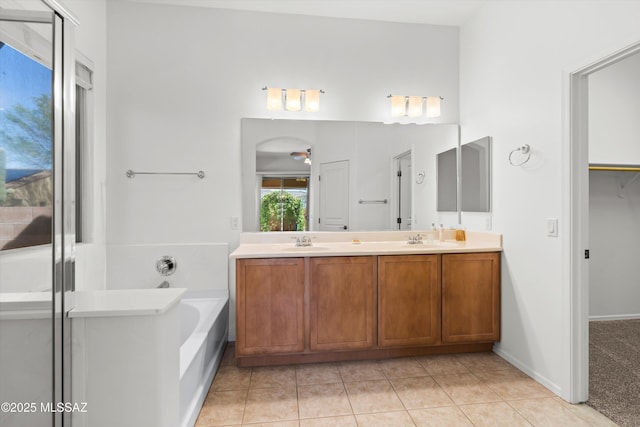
pixel 33 268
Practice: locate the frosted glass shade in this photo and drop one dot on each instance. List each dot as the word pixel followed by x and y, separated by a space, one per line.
pixel 274 98
pixel 293 100
pixel 312 100
pixel 415 106
pixel 433 106
pixel 397 105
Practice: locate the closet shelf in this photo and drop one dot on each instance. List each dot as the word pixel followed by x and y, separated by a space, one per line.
pixel 615 168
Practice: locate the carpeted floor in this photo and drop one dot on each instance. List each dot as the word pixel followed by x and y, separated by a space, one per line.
pixel 614 370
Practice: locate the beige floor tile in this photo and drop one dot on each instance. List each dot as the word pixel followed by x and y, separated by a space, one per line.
pixel 440 417
pixel 497 414
pixel 223 408
pixel 512 384
pixel 323 400
pixel 587 413
pixel 385 419
pixel 271 405
pixel 482 362
pixel 442 364
pixel 229 356
pixel 273 376
pixel 420 392
pixel 373 396
pixel 323 373
pixel 231 378
pixel 344 421
pixel 466 389
pixel 360 371
pixel 547 412
pixel 402 368
pixel 291 423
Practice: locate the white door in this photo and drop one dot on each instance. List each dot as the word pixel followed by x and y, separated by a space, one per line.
pixel 334 196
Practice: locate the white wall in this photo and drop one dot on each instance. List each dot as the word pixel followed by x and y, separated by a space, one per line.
pixel 181 78
pixel 512 59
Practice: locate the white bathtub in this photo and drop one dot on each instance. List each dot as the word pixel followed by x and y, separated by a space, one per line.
pixel 203 335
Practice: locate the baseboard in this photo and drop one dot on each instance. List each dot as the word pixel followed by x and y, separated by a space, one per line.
pixel 615 317
pixel 553 387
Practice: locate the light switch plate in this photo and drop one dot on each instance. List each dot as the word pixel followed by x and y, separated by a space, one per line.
pixel 552 227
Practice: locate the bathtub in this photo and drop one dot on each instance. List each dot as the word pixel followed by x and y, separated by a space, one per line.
pixel 203 335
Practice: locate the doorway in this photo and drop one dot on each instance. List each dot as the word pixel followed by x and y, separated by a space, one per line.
pixel 334 182
pixel 577 179
pixel 402 202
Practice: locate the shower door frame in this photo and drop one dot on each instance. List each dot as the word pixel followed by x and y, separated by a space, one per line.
pixel 63 172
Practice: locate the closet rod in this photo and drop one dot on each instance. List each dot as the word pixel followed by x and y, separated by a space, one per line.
pixel 614 168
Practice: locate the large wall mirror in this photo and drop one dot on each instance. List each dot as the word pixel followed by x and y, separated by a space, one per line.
pixel 353 176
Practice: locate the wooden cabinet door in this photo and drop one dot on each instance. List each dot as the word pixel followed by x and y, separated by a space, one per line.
pixel 470 297
pixel 342 303
pixel 269 304
pixel 408 300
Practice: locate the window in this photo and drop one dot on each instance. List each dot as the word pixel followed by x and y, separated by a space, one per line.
pixel 84 84
pixel 283 203
pixel 26 181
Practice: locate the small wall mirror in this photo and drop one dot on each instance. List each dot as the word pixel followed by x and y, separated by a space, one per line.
pixel 472 191
pixel 475 175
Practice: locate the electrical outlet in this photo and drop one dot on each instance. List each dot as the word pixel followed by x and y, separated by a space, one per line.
pixel 235 223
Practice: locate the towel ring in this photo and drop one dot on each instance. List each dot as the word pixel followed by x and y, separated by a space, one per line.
pixel 526 150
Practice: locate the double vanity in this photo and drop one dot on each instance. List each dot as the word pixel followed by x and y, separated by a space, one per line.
pixel 319 297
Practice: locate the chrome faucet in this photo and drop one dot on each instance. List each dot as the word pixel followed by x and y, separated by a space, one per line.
pixel 303 241
pixel 415 240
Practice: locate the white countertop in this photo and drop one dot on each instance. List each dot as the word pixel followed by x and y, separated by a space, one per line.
pixel 125 302
pixel 281 245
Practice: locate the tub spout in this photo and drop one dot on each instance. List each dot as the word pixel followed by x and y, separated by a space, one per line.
pixel 164 284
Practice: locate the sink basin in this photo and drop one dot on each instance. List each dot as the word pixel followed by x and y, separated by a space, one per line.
pixel 435 244
pixel 305 248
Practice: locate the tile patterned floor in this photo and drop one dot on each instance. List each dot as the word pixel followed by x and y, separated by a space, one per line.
pixel 453 390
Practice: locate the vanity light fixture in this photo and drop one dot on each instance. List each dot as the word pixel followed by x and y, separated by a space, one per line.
pixel 411 106
pixel 293 99
pixel 274 98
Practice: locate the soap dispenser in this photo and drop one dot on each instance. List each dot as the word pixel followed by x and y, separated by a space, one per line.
pixel 431 234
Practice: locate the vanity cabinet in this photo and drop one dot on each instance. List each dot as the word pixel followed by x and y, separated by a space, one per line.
pixel 330 308
pixel 470 297
pixel 408 300
pixel 342 303
pixel 269 303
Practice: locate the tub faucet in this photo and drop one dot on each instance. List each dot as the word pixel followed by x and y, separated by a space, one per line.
pixel 166 265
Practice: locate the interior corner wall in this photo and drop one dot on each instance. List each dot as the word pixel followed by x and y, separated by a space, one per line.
pixel 181 78
pixel 513 57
